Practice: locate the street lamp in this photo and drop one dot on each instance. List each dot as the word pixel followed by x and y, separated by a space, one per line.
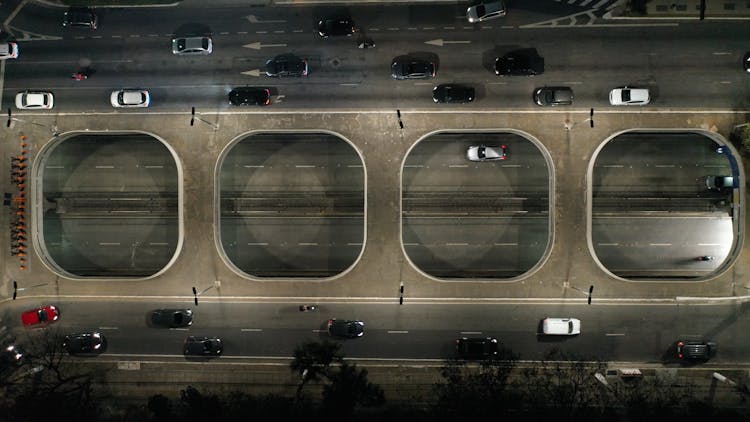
pixel 17 289
pixel 11 119
pixel 216 284
pixel 193 118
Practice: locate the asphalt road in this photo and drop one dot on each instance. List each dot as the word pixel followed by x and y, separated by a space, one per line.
pixel 636 333
pixel 124 54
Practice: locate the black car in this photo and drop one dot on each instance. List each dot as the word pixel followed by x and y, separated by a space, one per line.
pixel 345 328
pixel 746 62
pixel 452 93
pixel 477 347
pixel 408 67
pixel 553 96
pixel 286 65
pixel 336 27
pixel 80 17
pixel 695 350
pixel 520 63
pixel 203 346
pixel 85 344
pixel 172 318
pixel 250 96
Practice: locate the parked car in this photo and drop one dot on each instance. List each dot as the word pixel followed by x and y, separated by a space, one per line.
pixel 629 96
pixel 553 96
pixel 192 46
pixel 477 348
pixel 524 62
pixel 486 153
pixel 203 346
pixel 345 328
pixel 172 318
pixel 719 182
pixel 35 100
pixel 561 326
pixel 8 50
pixel 485 10
pixel 41 316
pixel 695 350
pixel 409 67
pixel 250 96
pixel 130 98
pixel 85 344
pixel 746 62
pixel 11 355
pixel 286 65
pixel 336 26
pixel 452 93
pixel 80 17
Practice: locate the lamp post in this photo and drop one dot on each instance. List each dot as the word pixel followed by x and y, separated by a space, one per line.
pixel 216 284
pixel 11 120
pixel 194 117
pixel 17 289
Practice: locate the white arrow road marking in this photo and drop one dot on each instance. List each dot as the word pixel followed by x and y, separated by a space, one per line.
pixel 254 72
pixel 398 332
pixel 108 328
pixel 254 19
pixel 258 45
pixel 440 42
pixel 251 330
pixel 279 97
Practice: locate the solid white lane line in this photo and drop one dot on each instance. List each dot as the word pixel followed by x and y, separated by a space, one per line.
pixel 398 332
pixel 614 334
pixel 108 328
pixel 660 244
pixel 471 332
pixel 251 330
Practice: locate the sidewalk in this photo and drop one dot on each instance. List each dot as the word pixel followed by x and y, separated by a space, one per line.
pixel 680 9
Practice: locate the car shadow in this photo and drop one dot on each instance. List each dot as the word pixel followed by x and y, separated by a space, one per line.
pixel 192 29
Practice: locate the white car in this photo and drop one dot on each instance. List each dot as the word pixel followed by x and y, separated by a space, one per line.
pixel 486 153
pixel 8 50
pixel 629 96
pixel 561 326
pixel 34 100
pixel 130 98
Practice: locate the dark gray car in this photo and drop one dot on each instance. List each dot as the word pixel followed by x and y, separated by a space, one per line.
pixel 203 346
pixel 286 65
pixel 80 17
pixel 85 344
pixel 553 96
pixel 172 318
pixel 695 350
pixel 408 67
pixel 452 93
pixel 345 328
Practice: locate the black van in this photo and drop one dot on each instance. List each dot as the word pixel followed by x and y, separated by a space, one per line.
pixel 696 350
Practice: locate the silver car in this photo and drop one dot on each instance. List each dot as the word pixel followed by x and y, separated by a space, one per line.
pixel 192 46
pixel 486 153
pixel 485 11
pixel 130 98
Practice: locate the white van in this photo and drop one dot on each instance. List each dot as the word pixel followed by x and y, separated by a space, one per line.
pixel 561 326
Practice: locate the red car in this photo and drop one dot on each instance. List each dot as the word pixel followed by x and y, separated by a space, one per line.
pixel 40 316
